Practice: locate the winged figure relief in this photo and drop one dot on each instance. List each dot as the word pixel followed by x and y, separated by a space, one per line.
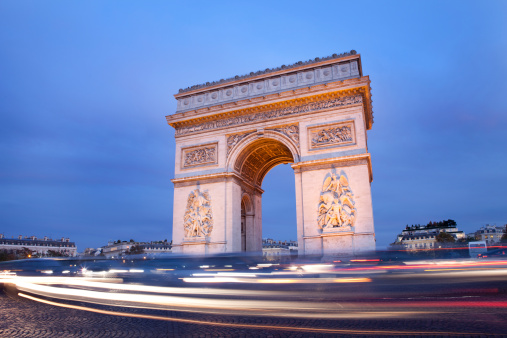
pixel 336 203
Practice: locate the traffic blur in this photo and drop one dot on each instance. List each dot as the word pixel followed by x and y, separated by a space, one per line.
pixel 370 286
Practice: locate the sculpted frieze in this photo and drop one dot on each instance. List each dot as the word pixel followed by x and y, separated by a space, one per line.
pixel 199 155
pixel 270 114
pixel 234 139
pixel 331 135
pixel 336 204
pixel 290 130
pixel 198 219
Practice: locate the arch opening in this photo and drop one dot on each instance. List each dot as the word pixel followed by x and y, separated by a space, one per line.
pixel 279 205
pixel 252 163
pixel 259 157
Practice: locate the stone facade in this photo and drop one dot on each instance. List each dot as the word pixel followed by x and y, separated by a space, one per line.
pixel 491 234
pixel 231 133
pixel 425 237
pixel 39 246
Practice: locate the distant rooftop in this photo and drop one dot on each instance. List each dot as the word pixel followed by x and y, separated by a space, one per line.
pixel 267 71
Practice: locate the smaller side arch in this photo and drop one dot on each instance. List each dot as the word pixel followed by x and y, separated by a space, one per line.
pixel 246 201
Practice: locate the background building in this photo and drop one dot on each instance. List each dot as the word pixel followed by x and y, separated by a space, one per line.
pixel 119 249
pixel 44 247
pixel 272 249
pixel 416 237
pixel 491 234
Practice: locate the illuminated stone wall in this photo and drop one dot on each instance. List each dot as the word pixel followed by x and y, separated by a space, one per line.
pixel 224 148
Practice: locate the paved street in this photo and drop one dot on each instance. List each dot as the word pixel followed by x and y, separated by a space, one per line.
pixel 22 317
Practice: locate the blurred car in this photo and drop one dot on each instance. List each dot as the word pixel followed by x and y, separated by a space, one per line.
pixel 497 253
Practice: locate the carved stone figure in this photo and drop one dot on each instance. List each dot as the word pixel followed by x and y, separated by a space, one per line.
pixel 332 136
pixel 234 139
pixel 200 156
pixel 292 131
pixel 336 204
pixel 270 114
pixel 198 219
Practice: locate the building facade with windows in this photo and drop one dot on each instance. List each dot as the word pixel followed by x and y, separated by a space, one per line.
pixel 491 234
pixel 39 246
pixel 272 249
pixel 417 237
pixel 119 249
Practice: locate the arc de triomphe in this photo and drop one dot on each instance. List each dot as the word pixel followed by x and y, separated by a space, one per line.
pixel 230 133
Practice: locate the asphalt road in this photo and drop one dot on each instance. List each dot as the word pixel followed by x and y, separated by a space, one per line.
pixel 21 317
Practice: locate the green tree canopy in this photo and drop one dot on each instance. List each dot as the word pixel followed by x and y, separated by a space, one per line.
pixel 135 250
pixel 444 237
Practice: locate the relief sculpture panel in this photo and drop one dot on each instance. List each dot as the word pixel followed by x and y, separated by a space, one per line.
pixel 203 155
pixel 290 130
pixel 332 135
pixel 336 204
pixel 198 219
pixel 234 139
pixel 270 114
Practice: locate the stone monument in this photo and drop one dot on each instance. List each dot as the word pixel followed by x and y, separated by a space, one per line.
pixel 230 133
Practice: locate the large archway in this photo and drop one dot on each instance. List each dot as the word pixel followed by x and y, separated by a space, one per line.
pixel 252 160
pixel 229 135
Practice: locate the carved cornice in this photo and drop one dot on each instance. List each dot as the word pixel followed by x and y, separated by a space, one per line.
pixel 271 111
pixel 267 71
pixel 326 73
pixel 214 178
pixel 335 162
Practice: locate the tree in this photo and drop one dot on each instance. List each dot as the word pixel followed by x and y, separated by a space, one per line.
pixel 4 255
pixel 504 238
pixel 467 239
pixel 444 237
pixel 24 253
pixel 54 253
pixel 135 250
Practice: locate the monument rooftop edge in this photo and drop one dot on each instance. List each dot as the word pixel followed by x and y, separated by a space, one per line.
pixel 271 81
pixel 266 71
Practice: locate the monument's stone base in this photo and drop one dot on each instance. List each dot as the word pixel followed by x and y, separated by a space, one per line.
pixel 339 244
pixel 199 248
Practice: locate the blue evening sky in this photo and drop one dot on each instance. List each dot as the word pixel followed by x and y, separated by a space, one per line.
pixel 85 86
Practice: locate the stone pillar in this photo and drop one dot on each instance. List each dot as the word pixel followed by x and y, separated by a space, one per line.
pixel 257 222
pixel 232 207
pixel 299 210
pixel 251 244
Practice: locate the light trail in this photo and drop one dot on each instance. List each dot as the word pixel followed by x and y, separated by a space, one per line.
pixel 260 307
pixel 250 326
